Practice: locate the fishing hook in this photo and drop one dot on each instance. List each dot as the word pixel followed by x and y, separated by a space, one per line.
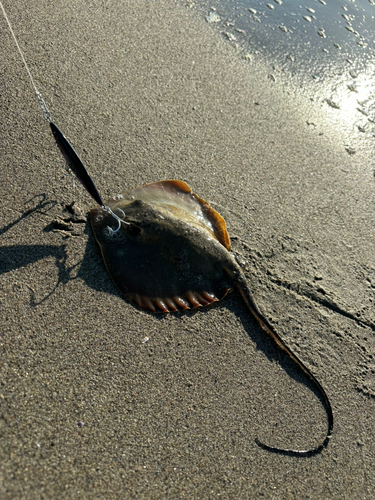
pixel 119 220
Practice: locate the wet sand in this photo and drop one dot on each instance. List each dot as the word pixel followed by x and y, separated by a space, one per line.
pixel 88 408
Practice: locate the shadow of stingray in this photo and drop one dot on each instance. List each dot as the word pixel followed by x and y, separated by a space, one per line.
pixel 92 269
pixel 17 256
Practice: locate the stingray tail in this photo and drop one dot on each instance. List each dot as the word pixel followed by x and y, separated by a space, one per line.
pixel 268 328
pixel 75 164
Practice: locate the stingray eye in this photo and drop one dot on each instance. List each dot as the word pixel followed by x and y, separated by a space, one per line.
pixel 138 203
pixel 132 229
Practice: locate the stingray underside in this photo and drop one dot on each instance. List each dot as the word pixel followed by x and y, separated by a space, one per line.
pixel 172 251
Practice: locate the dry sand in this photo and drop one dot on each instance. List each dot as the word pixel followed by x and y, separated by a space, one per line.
pixel 145 91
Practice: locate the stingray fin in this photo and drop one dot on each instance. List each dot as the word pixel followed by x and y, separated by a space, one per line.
pixel 176 185
pixel 217 221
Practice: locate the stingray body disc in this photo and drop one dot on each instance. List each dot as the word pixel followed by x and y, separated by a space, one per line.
pixel 171 254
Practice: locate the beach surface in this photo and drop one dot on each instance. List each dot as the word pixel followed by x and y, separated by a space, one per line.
pixel 99 399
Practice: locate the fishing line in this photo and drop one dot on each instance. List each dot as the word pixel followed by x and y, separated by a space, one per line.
pixel 71 157
pixel 42 104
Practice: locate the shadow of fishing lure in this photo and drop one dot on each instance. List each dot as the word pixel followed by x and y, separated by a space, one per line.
pixel 171 251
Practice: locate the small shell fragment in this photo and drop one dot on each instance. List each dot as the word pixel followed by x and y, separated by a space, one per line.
pixel 230 36
pixel 213 18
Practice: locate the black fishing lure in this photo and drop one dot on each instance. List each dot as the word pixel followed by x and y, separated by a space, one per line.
pixel 75 164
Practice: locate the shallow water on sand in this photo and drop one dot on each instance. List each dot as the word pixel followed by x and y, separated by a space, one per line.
pixel 323 49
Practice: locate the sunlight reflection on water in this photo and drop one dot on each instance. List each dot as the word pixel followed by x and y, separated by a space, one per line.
pixel 325 49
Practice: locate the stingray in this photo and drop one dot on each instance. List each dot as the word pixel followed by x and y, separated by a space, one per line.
pixel 166 249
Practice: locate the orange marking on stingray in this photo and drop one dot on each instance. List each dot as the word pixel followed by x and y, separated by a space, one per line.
pixel 210 297
pixel 138 300
pixel 161 305
pixel 192 299
pixel 181 302
pixel 202 300
pixel 170 304
pixel 148 303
